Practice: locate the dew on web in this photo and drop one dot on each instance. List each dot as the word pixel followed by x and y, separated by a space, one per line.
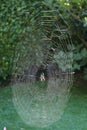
pixel 42 72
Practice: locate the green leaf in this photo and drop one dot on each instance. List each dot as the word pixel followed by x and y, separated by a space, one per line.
pixel 84 52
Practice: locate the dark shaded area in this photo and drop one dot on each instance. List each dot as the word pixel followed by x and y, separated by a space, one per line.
pixel 41 70
pixel 6 81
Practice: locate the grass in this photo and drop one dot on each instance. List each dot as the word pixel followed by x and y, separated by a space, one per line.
pixel 74 117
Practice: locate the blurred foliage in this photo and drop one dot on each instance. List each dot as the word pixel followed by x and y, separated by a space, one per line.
pixel 19 23
pixel 16 25
pixel 64 60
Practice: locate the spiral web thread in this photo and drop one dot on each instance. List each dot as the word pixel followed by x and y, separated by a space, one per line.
pixel 40 104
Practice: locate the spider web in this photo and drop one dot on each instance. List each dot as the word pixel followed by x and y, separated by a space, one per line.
pixel 41 103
